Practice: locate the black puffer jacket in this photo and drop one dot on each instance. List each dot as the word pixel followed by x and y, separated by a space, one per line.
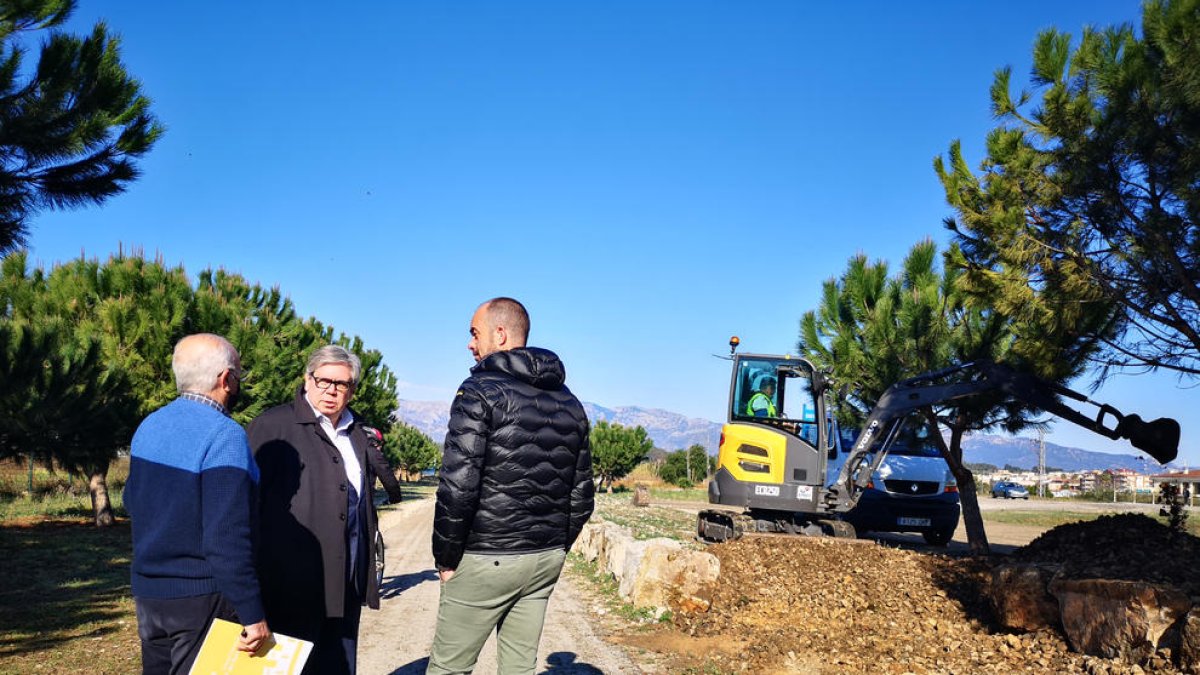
pixel 516 471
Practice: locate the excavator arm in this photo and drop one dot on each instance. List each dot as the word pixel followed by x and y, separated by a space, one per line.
pixel 1159 439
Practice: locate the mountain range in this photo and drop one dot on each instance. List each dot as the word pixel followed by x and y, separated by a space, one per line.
pixel 671 431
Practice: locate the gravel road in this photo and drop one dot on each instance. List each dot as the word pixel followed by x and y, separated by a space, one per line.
pixel 396 639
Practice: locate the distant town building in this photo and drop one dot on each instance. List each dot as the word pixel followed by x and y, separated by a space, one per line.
pixel 1188 481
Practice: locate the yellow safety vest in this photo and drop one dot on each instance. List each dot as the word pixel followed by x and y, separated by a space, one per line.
pixel 755 397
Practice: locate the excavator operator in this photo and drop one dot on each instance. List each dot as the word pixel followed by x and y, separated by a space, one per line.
pixel 762 403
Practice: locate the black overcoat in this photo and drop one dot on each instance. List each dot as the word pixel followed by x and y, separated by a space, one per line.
pixel 302 529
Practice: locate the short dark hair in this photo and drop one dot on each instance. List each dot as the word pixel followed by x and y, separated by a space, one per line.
pixel 511 314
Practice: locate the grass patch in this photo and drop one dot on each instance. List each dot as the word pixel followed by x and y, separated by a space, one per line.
pixel 418 490
pixel 667 494
pixel 1050 519
pixel 646 522
pixel 65 605
pixel 56 493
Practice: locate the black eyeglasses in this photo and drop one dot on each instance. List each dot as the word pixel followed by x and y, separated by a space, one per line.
pixel 325 383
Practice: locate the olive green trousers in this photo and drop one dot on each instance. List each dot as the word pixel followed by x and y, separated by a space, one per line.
pixel 505 593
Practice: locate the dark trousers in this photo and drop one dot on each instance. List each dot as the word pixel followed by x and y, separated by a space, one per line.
pixel 172 630
pixel 335 650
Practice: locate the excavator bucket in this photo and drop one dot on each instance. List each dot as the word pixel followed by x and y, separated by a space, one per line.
pixel 1159 439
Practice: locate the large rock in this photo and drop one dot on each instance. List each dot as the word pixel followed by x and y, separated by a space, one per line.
pixel 617 547
pixel 1126 620
pixel 673 577
pixel 1189 642
pixel 1021 597
pixel 641 495
pixel 589 542
pixel 635 560
pixel 596 538
pixel 659 573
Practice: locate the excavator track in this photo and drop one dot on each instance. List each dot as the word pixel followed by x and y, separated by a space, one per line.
pixel 715 526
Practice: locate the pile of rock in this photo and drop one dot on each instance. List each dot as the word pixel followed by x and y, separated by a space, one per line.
pixel 660 574
pixel 1122 587
pixel 817 605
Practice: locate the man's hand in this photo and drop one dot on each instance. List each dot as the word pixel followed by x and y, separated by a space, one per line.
pixel 254 637
pixel 445 575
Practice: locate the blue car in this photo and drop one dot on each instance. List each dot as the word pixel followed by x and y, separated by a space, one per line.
pixel 1009 490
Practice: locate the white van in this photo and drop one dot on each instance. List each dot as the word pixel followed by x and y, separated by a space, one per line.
pixel 912 491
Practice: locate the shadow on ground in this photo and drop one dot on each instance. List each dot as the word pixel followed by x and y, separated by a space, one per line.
pixel 915 542
pixel 393 586
pixel 417 667
pixel 60 578
pixel 567 663
pixel 558 663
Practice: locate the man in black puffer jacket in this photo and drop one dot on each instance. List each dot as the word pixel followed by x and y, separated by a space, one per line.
pixel 514 493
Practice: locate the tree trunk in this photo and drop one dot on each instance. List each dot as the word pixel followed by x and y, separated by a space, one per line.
pixel 98 487
pixel 968 496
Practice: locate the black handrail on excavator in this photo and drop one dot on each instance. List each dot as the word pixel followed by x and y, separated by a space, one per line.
pixel 1159 438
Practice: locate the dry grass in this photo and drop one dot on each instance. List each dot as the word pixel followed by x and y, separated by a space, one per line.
pixel 55 493
pixel 65 605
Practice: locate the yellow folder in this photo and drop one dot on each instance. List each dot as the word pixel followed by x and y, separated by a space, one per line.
pixel 219 654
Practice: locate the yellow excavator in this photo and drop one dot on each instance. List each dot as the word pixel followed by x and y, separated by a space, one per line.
pixel 779 439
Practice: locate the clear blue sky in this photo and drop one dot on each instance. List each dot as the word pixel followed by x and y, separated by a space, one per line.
pixel 648 177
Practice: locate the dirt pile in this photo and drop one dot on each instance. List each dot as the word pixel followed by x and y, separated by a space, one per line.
pixel 1126 546
pixel 829 606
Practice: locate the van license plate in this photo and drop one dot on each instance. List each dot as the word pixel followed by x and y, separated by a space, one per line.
pixel 913 522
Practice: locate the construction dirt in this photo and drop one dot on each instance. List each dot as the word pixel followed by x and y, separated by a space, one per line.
pixel 834 606
pixel 1127 546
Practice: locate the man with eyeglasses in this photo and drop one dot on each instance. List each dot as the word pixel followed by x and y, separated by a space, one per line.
pixel 191 499
pixel 316 562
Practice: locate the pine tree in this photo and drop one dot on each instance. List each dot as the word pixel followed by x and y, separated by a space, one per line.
pixel 1083 215
pixel 275 344
pixel 616 450
pixel 411 450
pixel 115 324
pixel 70 132
pixel 60 403
pixel 872 330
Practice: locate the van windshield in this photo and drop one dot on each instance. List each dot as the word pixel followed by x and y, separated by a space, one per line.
pixel 910 443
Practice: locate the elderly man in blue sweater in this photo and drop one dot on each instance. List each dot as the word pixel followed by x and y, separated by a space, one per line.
pixel 191 496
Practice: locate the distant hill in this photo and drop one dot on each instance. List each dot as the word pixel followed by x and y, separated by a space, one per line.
pixel 670 431
pixel 430 417
pixel 1023 452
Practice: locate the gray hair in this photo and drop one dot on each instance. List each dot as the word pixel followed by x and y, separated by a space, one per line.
pixel 334 354
pixel 200 359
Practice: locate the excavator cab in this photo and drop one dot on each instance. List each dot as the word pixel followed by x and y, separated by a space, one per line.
pixel 773 450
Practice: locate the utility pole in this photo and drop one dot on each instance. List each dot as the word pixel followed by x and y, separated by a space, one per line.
pixel 1041 462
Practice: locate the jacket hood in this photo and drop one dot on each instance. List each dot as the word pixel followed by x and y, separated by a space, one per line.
pixel 539 367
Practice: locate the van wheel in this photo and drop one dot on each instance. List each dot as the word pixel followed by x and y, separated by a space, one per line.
pixel 937 537
pixel 380 555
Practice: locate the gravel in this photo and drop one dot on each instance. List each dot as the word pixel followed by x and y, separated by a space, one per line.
pixel 833 606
